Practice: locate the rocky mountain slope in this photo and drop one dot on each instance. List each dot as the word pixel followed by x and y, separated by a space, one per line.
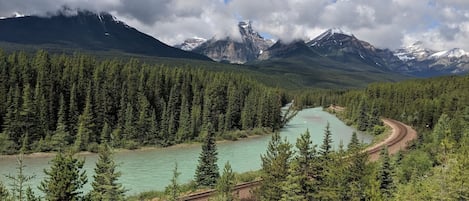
pixel 85 31
pixel 340 45
pixel 425 62
pixel 251 45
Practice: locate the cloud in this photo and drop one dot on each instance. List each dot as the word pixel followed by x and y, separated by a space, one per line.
pixel 389 24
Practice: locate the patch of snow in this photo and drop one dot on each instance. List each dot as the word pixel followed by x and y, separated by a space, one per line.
pixel 261 51
pixel 453 53
pixel 192 43
pixel 329 33
pixel 362 56
pixel 336 30
pixel 16 14
pixel 107 34
pixel 404 57
pixel 100 18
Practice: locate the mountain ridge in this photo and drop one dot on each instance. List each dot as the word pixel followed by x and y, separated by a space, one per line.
pixel 88 31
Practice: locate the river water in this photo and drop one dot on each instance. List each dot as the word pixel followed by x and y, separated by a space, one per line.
pixel 146 170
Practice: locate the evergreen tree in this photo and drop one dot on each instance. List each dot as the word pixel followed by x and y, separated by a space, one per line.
pixel 325 177
pixel 174 189
pixel 225 184
pixel 183 132
pixel 19 181
pixel 355 172
pixel 4 194
pixel 375 117
pixel 354 142
pixel 385 175
pixel 292 188
pixel 30 196
pixel 11 127
pixel 86 125
pixel 64 179
pixel 28 122
pixel 105 186
pixel 61 137
pixel 144 120
pixel 362 120
pixel 206 173
pixel 304 166
pixel 73 111
pixel 129 129
pixel 275 165
pixel 326 146
pixel 106 134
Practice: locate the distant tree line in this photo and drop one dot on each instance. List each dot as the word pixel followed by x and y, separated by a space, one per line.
pixel 57 101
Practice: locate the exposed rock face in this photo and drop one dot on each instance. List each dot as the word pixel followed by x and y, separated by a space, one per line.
pixel 226 50
pixel 252 44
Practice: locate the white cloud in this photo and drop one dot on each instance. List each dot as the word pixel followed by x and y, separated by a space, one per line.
pixel 391 24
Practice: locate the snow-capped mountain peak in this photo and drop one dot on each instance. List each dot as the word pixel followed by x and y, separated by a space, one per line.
pixel 416 51
pixel 328 34
pixel 245 24
pixel 337 30
pixel 191 43
pixel 453 53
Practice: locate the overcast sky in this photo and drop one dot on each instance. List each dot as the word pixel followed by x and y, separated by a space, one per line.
pixel 440 24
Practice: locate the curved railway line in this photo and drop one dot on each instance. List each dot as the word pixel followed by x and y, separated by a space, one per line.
pixel 401 134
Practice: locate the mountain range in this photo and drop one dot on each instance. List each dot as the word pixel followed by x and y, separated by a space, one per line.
pixel 332 59
pixel 337 45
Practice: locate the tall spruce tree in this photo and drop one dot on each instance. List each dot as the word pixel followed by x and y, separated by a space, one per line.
pixel 105 185
pixel 326 147
pixel 354 142
pixel 385 175
pixel 174 189
pixel 20 180
pixel 275 166
pixel 65 179
pixel 325 178
pixel 304 166
pixel 61 137
pixel 86 126
pixel 362 120
pixel 206 174
pixel 292 188
pixel 225 184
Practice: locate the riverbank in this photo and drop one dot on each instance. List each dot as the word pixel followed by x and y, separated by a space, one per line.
pixel 150 168
pixel 253 135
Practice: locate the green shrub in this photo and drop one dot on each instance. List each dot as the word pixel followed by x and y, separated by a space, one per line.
pixel 378 129
pixel 93 147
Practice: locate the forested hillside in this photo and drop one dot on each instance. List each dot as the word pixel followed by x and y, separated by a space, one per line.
pixel 434 167
pixel 49 102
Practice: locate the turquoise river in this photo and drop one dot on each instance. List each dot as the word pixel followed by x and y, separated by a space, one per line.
pixel 145 170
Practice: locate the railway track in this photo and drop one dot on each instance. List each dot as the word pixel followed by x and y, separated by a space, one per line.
pixel 206 194
pixel 401 134
pixel 394 140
